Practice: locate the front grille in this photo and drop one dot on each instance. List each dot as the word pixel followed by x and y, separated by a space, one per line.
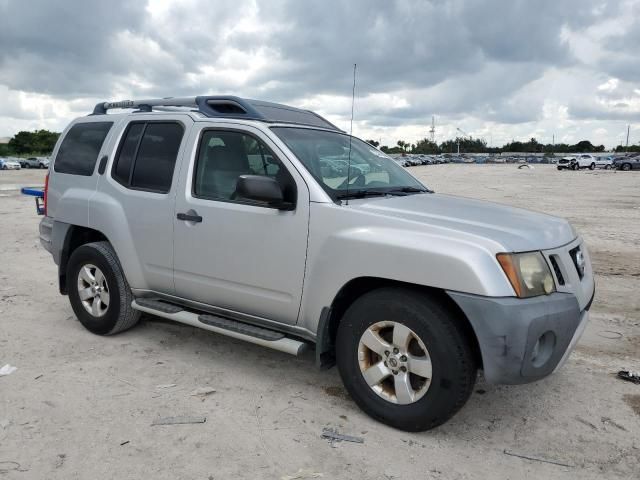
pixel 556 269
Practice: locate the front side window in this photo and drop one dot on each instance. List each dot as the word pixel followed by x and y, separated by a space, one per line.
pixel 79 150
pixel 147 156
pixel 223 156
pixel 365 171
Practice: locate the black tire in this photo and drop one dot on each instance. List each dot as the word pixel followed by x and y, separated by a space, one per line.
pixel 559 168
pixel 626 167
pixel 454 370
pixel 119 315
pixel 592 166
pixel 607 167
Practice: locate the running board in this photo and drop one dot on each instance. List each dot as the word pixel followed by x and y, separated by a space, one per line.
pixel 230 328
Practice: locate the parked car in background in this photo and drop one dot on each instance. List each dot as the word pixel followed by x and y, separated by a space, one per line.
pixel 9 164
pixel 566 163
pixel 585 160
pixel 604 162
pixel 401 161
pixel 627 163
pixel 34 162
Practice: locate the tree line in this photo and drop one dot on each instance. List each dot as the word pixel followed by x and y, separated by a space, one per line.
pixel 479 145
pixel 39 142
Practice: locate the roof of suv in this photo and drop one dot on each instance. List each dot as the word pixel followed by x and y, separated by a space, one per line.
pixel 224 107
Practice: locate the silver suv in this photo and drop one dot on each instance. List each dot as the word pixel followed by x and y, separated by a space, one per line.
pixel 234 216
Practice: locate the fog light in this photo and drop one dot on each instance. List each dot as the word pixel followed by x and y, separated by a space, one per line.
pixel 543 349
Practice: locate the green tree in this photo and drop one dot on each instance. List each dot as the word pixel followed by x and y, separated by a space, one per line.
pixel 373 142
pixel 5 151
pixel 38 142
pixel 426 146
pixel 404 146
pixel 583 146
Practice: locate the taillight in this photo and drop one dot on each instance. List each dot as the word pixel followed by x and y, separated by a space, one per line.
pixel 46 191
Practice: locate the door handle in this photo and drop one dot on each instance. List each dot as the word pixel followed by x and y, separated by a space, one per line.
pixel 190 217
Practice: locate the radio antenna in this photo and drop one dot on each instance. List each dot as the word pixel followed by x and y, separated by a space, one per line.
pixel 353 100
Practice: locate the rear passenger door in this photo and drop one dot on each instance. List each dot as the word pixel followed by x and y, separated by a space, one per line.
pixel 136 195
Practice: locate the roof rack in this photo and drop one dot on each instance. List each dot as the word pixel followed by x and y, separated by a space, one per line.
pixel 225 107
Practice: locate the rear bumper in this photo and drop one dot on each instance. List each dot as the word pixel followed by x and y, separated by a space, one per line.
pixel 46 233
pixel 523 340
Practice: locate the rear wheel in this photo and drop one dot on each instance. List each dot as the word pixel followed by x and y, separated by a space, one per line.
pixel 98 290
pixel 607 167
pixel 592 166
pixel 626 167
pixel 405 359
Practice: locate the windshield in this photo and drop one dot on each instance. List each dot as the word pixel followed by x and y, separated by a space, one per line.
pixel 326 156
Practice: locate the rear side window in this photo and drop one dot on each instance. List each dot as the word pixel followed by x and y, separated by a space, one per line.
pixel 147 156
pixel 80 148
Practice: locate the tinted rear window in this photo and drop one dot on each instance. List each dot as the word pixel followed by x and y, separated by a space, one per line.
pixel 156 158
pixel 147 156
pixel 127 153
pixel 80 148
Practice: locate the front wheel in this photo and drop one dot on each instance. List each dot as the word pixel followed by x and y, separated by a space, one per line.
pixel 626 167
pixel 607 167
pixel 98 290
pixel 405 359
pixel 592 166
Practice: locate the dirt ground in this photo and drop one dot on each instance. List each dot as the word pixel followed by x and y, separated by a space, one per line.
pixel 81 406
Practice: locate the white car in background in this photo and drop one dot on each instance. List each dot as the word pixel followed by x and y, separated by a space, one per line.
pixel 9 164
pixel 585 160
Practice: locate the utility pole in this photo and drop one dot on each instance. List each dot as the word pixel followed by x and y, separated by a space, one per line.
pixel 463 133
pixel 432 130
pixel 628 128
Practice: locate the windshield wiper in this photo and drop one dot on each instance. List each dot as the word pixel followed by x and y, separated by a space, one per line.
pixel 407 190
pixel 361 193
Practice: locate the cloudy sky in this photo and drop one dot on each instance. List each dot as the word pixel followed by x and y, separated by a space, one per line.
pixel 501 70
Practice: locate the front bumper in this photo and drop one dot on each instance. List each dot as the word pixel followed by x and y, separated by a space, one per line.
pixel 523 340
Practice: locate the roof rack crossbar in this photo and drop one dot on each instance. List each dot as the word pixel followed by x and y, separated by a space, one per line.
pixel 224 107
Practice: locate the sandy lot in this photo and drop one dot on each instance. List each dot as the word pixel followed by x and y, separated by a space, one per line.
pixel 81 406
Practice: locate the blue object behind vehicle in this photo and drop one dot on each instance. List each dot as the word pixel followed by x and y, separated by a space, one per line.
pixel 38 193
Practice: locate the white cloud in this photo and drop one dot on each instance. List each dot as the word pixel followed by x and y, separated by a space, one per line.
pixel 494 69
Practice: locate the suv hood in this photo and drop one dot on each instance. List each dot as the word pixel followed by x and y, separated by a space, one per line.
pixel 518 230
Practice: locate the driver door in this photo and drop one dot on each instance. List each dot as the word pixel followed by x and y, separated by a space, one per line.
pixel 239 255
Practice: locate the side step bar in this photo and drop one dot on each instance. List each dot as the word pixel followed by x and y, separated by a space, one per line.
pixel 231 328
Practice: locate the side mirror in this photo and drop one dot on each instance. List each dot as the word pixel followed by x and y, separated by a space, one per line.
pixel 262 189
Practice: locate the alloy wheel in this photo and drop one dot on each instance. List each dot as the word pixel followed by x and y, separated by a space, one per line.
pixel 394 362
pixel 93 290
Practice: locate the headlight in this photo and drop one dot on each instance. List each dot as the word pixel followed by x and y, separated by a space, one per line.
pixel 528 273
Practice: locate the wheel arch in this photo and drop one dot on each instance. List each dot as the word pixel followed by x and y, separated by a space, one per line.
pixel 332 315
pixel 75 237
